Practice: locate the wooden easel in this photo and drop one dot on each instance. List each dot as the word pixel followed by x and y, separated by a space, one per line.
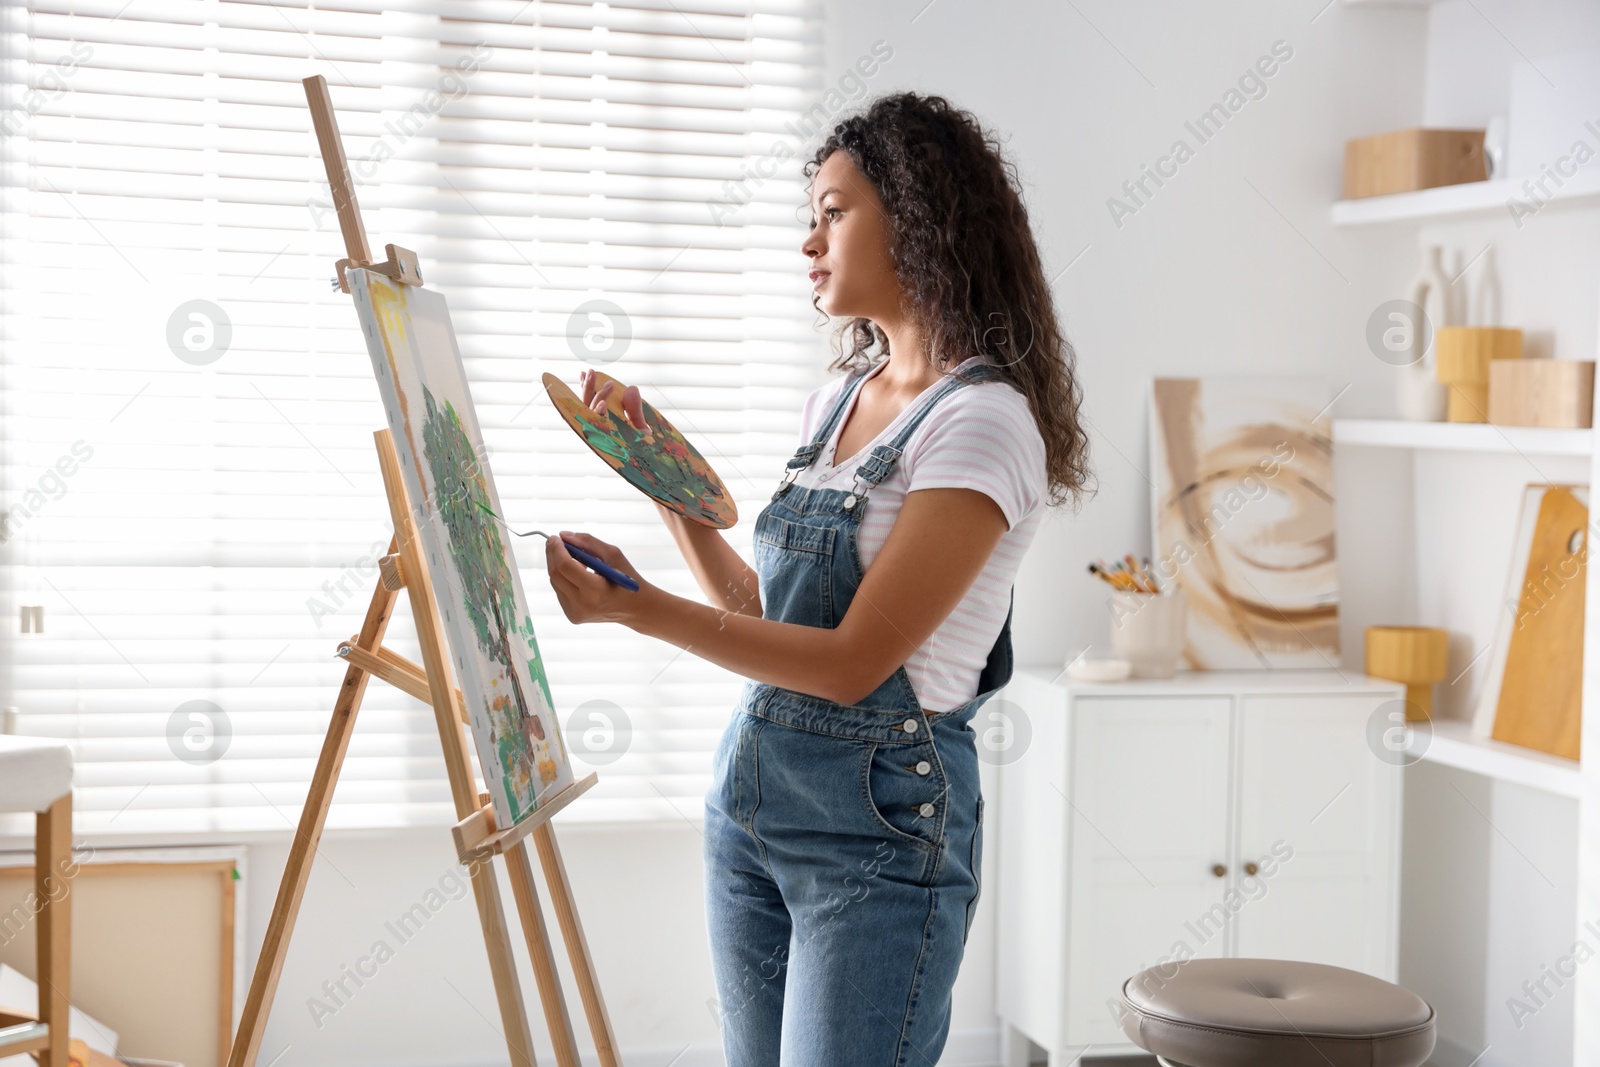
pixel 477 839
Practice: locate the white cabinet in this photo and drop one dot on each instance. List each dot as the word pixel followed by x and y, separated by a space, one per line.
pixel 1308 778
pixel 1147 822
pixel 1216 814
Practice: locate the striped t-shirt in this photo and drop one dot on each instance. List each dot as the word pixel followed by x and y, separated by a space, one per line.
pixel 982 436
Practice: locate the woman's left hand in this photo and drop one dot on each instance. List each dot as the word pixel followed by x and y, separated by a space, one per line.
pixel 584 595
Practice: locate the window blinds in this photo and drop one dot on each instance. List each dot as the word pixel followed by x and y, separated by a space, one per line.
pixel 190 488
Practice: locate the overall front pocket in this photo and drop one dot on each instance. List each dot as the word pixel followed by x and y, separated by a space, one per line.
pixel 904 790
pixel 794 562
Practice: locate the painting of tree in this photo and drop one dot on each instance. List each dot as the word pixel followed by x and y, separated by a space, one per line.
pixel 461 497
pixel 471 567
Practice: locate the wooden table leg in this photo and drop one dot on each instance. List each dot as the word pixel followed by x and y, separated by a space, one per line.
pixel 52 859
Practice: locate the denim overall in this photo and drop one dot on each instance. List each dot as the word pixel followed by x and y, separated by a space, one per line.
pixel 842 843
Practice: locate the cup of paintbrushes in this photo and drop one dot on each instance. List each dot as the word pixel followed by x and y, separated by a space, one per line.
pixel 1147 621
pixel 1147 630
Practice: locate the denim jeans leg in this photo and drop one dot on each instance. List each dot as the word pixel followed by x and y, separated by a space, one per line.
pixel 873 988
pixel 879 913
pixel 746 919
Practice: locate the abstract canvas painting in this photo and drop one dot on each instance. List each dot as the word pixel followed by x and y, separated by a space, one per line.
pixel 1243 517
pixel 473 571
pixel 658 460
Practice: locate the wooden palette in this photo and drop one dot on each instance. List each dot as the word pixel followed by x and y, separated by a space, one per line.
pixel 657 460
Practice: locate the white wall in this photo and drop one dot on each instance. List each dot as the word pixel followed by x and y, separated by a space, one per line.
pixel 640 899
pixel 1231 267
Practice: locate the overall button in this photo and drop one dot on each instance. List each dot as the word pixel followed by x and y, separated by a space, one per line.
pixel 923 767
pixel 849 501
pixel 926 811
pixel 909 726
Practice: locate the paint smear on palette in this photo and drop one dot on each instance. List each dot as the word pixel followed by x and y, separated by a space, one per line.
pixel 471 567
pixel 657 460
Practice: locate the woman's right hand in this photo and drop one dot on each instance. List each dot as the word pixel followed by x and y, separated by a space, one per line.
pixel 596 399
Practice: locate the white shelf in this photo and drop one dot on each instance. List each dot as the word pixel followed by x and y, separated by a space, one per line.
pixel 1462 437
pixel 1453 745
pixel 1468 198
pixel 1266 682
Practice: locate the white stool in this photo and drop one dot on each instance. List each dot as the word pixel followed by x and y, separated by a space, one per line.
pixel 36 776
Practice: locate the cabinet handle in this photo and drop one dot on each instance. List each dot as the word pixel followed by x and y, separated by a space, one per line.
pixel 1251 868
pixel 1219 870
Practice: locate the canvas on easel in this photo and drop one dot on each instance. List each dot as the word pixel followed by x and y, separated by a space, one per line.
pixel 496 656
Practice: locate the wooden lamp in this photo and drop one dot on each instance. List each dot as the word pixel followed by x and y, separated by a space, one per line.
pixel 1415 655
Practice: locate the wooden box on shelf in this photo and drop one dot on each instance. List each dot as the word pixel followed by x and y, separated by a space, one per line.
pixel 1542 392
pixel 1405 160
pixel 1465 355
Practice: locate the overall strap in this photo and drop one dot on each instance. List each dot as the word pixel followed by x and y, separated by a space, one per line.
pixel 806 453
pixel 880 463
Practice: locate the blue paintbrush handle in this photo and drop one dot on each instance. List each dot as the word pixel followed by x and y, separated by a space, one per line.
pixel 604 569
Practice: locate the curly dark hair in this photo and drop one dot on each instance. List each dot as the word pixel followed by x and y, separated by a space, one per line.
pixel 965 256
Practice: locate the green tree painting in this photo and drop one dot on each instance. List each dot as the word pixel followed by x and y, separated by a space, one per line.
pixel 488 592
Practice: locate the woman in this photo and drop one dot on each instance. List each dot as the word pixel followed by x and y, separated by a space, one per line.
pixel 843 833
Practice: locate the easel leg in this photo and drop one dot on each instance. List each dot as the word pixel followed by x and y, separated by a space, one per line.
pixel 452 737
pixel 269 966
pixel 594 1007
pixel 541 952
pixel 503 966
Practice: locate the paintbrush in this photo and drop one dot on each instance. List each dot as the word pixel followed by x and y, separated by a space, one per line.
pixel 595 564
